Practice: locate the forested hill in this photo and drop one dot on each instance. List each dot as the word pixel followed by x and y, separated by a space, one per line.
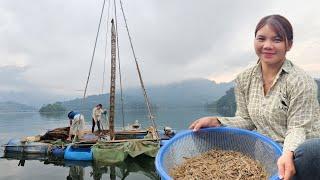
pixel 318 83
pixel 10 106
pixel 190 93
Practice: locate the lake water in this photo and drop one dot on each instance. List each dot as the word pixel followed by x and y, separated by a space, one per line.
pixel 17 125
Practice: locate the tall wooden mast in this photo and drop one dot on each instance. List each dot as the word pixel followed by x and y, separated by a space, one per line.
pixel 113 81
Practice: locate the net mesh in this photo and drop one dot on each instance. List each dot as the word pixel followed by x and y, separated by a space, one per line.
pixel 194 144
pixel 118 152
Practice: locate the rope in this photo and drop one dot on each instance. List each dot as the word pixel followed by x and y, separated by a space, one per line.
pixel 105 50
pixel 121 94
pixel 151 117
pixel 94 50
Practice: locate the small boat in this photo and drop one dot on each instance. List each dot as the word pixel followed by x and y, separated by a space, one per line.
pixel 78 153
pixel 16 145
pixel 130 134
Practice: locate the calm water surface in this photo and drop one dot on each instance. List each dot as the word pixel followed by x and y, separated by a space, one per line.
pixel 17 125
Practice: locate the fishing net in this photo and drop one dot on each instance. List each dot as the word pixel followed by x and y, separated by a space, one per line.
pixel 118 152
pixel 56 134
pixel 189 144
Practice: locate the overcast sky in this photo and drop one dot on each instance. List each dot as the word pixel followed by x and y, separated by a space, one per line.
pixel 46 45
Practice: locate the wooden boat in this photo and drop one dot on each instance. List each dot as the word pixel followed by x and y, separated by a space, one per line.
pixel 127 134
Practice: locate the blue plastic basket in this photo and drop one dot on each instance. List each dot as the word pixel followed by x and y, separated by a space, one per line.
pixel 190 144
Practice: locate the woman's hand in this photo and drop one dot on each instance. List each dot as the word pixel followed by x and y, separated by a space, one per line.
pixel 286 166
pixel 205 122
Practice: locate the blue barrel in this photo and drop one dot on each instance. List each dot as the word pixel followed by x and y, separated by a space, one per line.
pixel 78 153
pixel 14 145
pixel 58 151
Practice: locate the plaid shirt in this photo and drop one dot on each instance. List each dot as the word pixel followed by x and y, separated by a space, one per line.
pixel 289 113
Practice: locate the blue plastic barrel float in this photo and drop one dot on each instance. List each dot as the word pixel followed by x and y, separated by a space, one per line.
pixel 78 153
pixel 15 145
pixel 190 144
pixel 58 151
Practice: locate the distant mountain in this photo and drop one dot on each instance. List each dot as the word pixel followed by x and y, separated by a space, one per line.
pixel 10 106
pixel 56 107
pixel 91 101
pixel 189 93
pixel 34 98
pixel 226 105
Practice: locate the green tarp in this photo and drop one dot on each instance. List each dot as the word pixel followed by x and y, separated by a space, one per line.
pixel 118 152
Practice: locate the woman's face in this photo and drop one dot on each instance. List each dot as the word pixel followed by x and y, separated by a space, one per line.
pixel 270 48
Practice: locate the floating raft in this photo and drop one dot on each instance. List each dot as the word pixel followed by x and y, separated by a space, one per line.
pixel 96 146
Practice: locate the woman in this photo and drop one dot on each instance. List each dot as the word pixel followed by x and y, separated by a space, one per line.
pixel 279 100
pixel 96 116
pixel 77 124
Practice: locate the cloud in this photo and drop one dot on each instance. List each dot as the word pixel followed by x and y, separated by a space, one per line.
pixel 16 87
pixel 11 77
pixel 48 44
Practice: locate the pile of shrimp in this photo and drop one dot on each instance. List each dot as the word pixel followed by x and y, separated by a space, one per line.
pixel 219 165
